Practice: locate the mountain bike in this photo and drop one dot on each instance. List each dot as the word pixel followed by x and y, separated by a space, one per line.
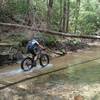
pixel 28 62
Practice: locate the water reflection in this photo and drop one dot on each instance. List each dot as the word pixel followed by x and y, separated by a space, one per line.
pixel 18 70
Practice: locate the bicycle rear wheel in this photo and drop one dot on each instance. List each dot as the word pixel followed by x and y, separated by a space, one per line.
pixel 26 64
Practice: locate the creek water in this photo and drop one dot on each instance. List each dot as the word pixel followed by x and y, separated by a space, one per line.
pixel 81 77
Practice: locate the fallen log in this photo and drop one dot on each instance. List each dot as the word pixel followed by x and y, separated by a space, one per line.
pixel 14 25
pixel 50 31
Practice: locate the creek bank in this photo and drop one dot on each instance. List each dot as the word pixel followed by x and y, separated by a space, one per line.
pixel 55 47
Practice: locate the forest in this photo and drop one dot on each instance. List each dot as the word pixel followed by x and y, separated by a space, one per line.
pixel 69 16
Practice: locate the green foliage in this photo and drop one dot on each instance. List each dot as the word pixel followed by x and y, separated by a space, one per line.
pixel 89 19
pixel 87 23
pixel 50 40
pixel 75 44
pixel 45 39
pixel 15 38
pixel 11 8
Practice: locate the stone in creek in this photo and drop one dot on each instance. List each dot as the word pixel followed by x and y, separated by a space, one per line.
pixel 79 97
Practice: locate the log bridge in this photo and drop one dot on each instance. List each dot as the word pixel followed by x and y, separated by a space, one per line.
pixel 50 31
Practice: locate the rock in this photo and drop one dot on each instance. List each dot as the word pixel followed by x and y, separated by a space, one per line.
pixel 30 97
pixel 37 98
pixel 79 97
pixel 16 97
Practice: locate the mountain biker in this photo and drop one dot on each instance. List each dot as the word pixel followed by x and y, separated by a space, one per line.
pixel 33 48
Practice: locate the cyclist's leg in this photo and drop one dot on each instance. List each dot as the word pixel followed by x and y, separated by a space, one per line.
pixel 35 58
pixel 34 62
pixel 36 52
pixel 31 50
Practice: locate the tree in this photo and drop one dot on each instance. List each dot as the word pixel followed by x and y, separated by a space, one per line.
pixel 61 9
pixel 68 11
pixel 64 16
pixel 65 19
pixel 77 14
pixel 29 14
pixel 49 13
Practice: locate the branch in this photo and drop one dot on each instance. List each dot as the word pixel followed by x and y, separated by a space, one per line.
pixel 14 25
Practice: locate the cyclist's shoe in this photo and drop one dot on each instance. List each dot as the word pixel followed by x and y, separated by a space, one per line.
pixel 34 64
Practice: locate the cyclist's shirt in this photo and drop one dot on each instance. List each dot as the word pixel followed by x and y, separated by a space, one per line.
pixel 32 45
pixel 34 42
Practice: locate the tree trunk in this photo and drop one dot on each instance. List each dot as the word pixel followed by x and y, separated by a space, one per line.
pixel 77 14
pixel 1 1
pixel 61 13
pixel 29 14
pixel 65 19
pixel 68 11
pixel 49 13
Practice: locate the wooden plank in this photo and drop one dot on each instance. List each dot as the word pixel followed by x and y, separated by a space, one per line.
pixel 6 44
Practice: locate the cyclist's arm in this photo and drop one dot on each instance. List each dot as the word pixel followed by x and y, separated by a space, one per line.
pixel 41 46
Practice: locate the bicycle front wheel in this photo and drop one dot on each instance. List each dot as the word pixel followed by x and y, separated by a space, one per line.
pixel 44 60
pixel 26 64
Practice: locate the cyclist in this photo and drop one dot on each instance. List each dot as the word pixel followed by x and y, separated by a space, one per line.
pixel 33 48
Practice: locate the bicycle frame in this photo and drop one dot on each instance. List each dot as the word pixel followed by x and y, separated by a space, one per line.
pixel 40 52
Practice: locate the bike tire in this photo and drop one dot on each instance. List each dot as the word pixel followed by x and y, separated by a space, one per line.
pixel 23 61
pixel 41 61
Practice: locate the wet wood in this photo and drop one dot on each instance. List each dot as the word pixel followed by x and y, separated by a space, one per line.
pixel 6 44
pixel 15 25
